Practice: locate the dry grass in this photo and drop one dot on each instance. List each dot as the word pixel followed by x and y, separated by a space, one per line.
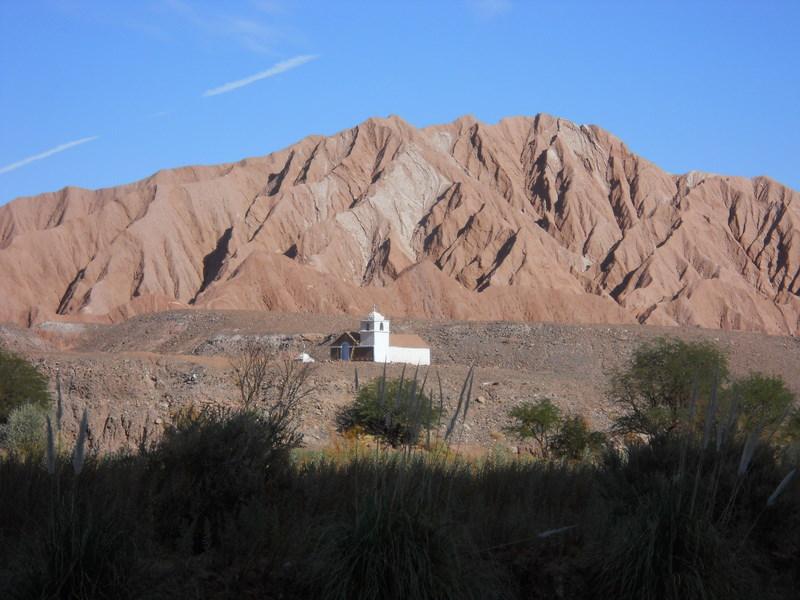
pixel 225 506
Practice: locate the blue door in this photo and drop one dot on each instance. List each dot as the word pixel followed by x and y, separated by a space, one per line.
pixel 345 350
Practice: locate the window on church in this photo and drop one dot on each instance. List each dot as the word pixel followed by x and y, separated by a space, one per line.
pixel 381 326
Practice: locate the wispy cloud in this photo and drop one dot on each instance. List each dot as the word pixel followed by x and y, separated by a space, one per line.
pixel 250 33
pixel 46 153
pixel 276 69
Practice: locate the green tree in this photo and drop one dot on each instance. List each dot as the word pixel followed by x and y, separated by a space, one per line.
pixel 395 410
pixel 20 383
pixel 764 400
pixel 576 441
pixel 654 389
pixel 23 435
pixel 538 421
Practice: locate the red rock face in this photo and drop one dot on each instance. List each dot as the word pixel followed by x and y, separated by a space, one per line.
pixel 532 218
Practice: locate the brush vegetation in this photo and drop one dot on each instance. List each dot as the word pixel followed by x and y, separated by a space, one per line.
pixel 225 505
pixel 20 383
pixel 554 434
pixel 396 411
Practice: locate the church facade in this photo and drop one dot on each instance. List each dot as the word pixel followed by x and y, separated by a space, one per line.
pixel 375 342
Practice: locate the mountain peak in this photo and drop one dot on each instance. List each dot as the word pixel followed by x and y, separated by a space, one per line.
pixel 533 218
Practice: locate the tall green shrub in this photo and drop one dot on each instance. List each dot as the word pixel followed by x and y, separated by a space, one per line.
pixel 20 383
pixel 691 521
pixel 654 390
pixel 209 464
pixel 397 538
pixel 576 441
pixel 84 524
pixel 539 421
pixel 764 400
pixel 396 410
pixel 24 433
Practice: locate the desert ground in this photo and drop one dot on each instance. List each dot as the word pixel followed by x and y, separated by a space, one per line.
pixel 133 376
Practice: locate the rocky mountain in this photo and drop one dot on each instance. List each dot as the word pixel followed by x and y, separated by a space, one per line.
pixel 532 218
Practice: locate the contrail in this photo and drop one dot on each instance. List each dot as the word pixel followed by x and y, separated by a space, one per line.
pixel 281 67
pixel 47 153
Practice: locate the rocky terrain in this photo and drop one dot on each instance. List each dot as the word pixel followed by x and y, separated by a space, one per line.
pixel 531 219
pixel 133 376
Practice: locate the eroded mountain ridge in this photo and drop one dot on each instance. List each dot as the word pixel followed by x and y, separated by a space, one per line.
pixel 534 218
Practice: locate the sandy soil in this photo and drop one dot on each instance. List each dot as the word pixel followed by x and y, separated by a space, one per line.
pixel 134 375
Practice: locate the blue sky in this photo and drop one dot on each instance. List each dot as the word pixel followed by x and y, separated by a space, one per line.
pixel 96 94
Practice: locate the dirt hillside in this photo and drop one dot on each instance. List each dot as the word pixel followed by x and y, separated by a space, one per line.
pixel 133 376
pixel 534 218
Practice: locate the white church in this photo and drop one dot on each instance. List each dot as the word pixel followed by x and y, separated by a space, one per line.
pixel 376 343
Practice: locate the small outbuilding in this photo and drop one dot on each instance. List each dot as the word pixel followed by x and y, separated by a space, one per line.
pixel 375 342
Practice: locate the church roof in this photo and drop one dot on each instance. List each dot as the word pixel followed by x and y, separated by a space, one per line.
pixel 406 340
pixel 354 337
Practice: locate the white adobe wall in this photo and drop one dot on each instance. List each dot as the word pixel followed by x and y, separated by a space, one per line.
pixel 381 348
pixel 413 356
pixel 375 333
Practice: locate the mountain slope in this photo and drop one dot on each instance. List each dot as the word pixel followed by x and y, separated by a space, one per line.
pixel 532 218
